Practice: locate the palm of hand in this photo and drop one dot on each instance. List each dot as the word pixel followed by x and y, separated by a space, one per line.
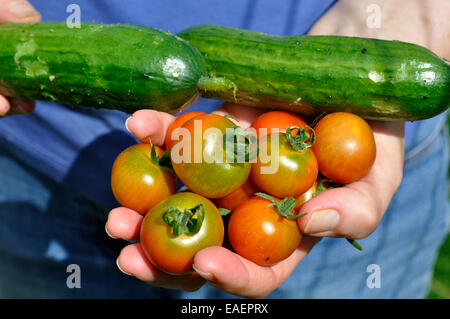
pixel 218 265
pixel 233 273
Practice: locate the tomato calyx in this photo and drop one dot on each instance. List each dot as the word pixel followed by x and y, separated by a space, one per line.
pixel 187 221
pixel 240 144
pixel 283 207
pixel 302 140
pixel 163 162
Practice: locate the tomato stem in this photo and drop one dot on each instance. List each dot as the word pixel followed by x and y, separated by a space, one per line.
pixel 163 162
pixel 302 140
pixel 283 207
pixel 187 221
pixel 355 244
pixel 213 83
pixel 240 144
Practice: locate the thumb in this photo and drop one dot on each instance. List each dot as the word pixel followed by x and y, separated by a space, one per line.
pixel 19 11
pixel 349 211
pixel 236 275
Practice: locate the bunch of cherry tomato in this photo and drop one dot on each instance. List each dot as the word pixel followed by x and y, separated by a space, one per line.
pixel 255 198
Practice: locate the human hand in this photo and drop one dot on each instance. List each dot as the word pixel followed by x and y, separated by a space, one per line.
pixel 218 265
pixel 18 11
pixel 355 210
pixel 233 273
pixel 358 207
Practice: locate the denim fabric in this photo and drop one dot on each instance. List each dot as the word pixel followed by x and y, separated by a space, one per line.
pixel 46 226
pixel 84 141
pixel 55 166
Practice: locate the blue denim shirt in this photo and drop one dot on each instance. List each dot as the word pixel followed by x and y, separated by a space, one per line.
pixel 77 146
pixel 55 167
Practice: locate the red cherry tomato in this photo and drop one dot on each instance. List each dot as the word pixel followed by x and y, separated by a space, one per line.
pixel 138 182
pixel 259 233
pixel 280 120
pixel 240 195
pixel 171 245
pixel 345 147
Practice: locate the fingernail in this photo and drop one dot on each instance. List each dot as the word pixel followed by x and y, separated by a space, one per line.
pixel 117 263
pixel 21 9
pixel 322 220
pixel 126 125
pixel 106 230
pixel 206 275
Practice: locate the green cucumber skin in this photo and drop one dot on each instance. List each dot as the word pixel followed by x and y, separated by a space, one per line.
pixel 116 66
pixel 376 79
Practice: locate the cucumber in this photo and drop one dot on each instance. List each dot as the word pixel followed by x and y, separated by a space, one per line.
pixel 115 66
pixel 127 67
pixel 376 79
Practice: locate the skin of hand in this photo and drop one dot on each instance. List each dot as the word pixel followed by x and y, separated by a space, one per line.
pixel 353 211
pixel 17 11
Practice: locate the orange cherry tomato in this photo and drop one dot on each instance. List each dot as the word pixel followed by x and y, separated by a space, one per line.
pixel 280 120
pixel 259 233
pixel 345 147
pixel 138 182
pixel 240 195
pixel 179 121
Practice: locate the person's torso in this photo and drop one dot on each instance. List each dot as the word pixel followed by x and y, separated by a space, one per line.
pixel 76 145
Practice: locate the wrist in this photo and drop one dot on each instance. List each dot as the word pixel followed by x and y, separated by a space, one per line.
pixel 416 21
